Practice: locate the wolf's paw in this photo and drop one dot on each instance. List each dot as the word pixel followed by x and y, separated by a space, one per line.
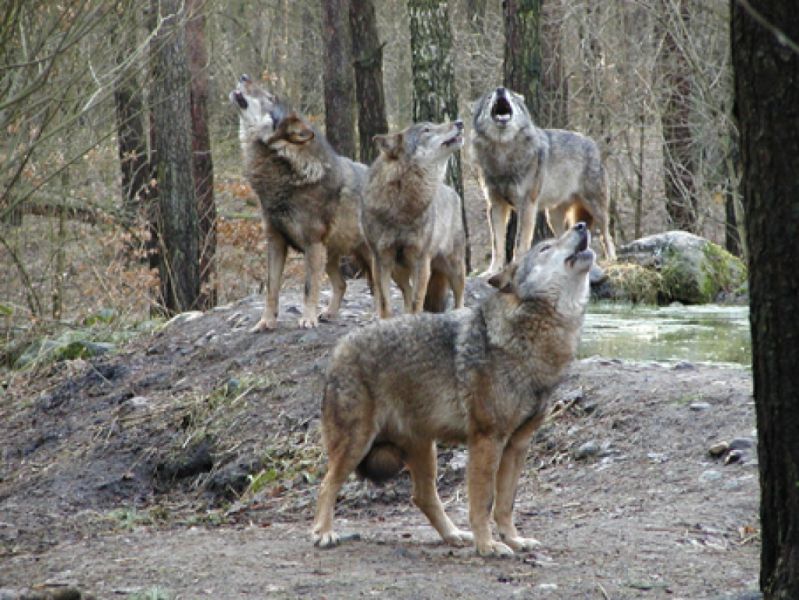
pixel 521 544
pixel 459 538
pixel 494 548
pixel 308 322
pixel 264 325
pixel 329 539
pixel 328 315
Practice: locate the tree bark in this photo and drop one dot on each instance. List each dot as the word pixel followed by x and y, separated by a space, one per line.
pixel 522 73
pixel 435 98
pixel 678 151
pixel 339 77
pixel 368 60
pixel 177 219
pixel 203 166
pixel 767 105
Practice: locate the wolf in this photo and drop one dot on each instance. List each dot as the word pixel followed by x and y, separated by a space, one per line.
pixel 309 198
pixel 528 169
pixel 411 220
pixel 479 375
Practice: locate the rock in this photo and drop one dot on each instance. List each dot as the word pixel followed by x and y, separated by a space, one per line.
pixel 684 365
pixel 734 456
pixel 547 587
pixel 699 406
pixel 742 443
pixel 589 448
pixel 693 270
pixel 709 476
pixel 192 461
pixel 718 449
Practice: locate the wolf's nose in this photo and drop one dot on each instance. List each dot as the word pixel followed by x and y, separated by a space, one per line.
pixel 501 91
pixel 580 226
pixel 244 78
pixel 459 124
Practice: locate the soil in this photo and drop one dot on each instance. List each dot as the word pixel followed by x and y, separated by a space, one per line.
pixel 186 466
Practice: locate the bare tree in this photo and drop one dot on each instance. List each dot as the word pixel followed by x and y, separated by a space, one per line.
pixel 368 60
pixel 678 150
pixel 339 77
pixel 177 220
pixel 765 55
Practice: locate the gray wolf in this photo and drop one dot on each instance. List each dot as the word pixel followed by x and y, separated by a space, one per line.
pixel 309 198
pixel 528 169
pixel 481 376
pixel 411 219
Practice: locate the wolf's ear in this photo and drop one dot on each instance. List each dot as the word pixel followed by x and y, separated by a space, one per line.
pixel 389 144
pixel 503 280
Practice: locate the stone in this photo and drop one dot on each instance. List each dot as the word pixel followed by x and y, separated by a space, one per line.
pixel 699 406
pixel 709 476
pixel 718 449
pixel 742 443
pixel 589 448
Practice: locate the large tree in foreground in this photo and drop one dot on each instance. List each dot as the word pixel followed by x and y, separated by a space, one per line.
pixel 339 77
pixel 765 55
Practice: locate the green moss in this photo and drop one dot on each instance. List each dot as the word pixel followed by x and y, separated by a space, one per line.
pixel 723 271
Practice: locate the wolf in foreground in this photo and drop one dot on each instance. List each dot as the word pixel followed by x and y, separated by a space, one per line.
pixel 526 168
pixel 411 220
pixel 481 376
pixel 309 199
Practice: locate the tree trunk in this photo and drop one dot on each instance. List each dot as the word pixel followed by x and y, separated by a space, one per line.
pixel 339 77
pixel 554 84
pixel 475 13
pixel 177 220
pixel 678 151
pixel 435 98
pixel 368 54
pixel 131 140
pixel 522 73
pixel 767 104
pixel 201 152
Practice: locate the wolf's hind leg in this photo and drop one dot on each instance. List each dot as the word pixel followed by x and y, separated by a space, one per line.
pixel 344 454
pixel 498 212
pixel 421 462
pixel 510 468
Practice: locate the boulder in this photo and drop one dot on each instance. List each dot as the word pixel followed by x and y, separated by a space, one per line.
pixel 675 266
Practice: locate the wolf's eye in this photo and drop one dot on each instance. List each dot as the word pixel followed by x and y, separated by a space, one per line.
pixel 426 130
pixel 544 248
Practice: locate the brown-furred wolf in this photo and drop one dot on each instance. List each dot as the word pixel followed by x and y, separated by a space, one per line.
pixel 481 376
pixel 411 220
pixel 309 198
pixel 526 168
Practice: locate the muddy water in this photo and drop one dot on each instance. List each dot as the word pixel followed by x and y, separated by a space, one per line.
pixel 706 333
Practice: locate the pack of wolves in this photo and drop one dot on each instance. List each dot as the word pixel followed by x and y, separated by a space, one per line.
pixel 481 375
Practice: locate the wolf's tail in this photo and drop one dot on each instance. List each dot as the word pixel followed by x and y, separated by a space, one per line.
pixel 382 463
pixel 435 299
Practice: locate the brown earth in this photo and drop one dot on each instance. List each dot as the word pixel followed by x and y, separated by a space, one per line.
pixel 186 466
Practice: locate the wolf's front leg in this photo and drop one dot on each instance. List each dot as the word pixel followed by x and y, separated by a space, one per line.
pixel 420 277
pixel 381 271
pixel 314 257
pixel 498 212
pixel 333 270
pixel 276 249
pixel 528 211
pixel 484 454
pixel 510 468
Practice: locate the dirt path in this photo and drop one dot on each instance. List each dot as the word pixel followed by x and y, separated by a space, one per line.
pixel 130 473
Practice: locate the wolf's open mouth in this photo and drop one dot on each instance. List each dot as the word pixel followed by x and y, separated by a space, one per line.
pixel 240 99
pixel 455 139
pixel 502 110
pixel 581 251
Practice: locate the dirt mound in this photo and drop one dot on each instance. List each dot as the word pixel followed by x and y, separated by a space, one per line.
pixel 196 450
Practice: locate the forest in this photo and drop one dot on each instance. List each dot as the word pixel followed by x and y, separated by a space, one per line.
pixel 143 422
